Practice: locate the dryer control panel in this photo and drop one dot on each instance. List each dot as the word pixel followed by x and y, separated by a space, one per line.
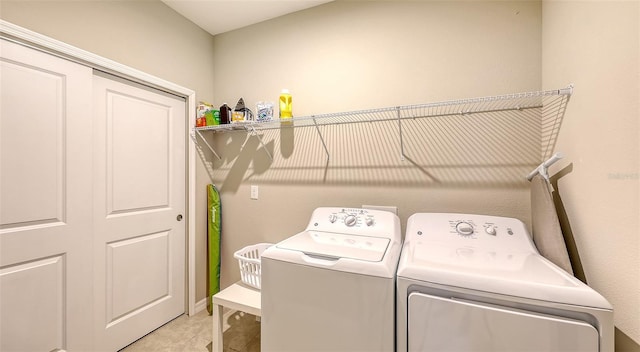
pixel 470 230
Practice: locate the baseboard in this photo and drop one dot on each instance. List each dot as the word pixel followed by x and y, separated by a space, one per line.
pixel 200 306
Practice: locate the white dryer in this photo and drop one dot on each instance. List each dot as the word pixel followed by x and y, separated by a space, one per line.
pixel 332 286
pixel 477 283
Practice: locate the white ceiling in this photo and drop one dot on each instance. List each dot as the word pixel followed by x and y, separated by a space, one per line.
pixel 219 16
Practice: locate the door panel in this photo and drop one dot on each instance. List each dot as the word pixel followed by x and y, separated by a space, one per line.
pixel 137 134
pixel 24 128
pixel 139 175
pixel 45 202
pixel 134 289
pixel 32 301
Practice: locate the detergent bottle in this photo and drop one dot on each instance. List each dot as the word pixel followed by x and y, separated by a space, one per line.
pixel 285 105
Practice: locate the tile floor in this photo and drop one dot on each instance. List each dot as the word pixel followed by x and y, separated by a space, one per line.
pixel 193 334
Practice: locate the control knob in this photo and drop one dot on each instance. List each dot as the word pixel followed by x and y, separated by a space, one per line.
pixel 369 221
pixel 333 218
pixel 464 228
pixel 350 220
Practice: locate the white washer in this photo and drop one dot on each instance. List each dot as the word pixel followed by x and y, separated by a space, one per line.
pixel 477 283
pixel 332 286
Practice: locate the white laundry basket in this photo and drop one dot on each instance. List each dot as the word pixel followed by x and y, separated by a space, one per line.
pixel 249 261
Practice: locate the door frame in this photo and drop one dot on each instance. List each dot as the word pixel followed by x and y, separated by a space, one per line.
pixel 57 48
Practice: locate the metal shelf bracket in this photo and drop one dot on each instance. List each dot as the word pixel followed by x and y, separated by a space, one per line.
pixel 252 132
pixel 402 157
pixel 206 143
pixel 324 145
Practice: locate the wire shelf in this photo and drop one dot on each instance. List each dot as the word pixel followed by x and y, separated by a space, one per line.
pixel 551 103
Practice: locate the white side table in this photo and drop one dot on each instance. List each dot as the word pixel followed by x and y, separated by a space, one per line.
pixel 237 297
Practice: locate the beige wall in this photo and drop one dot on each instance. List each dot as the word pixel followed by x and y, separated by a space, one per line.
pixel 596 45
pixel 145 35
pixel 356 55
pixel 349 55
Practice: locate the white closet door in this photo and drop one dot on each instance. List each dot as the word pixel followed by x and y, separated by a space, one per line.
pixel 139 200
pixel 45 202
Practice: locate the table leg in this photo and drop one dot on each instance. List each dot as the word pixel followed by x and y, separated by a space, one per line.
pixel 216 343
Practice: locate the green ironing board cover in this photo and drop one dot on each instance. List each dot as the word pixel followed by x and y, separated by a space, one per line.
pixel 214 230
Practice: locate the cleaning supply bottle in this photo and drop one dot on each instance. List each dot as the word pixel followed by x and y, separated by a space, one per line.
pixel 225 114
pixel 285 105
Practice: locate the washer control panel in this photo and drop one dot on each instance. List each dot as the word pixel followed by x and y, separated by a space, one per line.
pixel 353 220
pixel 469 230
pixel 352 217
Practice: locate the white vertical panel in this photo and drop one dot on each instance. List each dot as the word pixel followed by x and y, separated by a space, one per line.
pixel 139 175
pixel 20 244
pixel 32 299
pixel 138 153
pixel 32 147
pixel 45 200
pixel 133 284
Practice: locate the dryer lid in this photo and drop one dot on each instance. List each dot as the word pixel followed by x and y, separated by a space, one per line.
pixel 337 245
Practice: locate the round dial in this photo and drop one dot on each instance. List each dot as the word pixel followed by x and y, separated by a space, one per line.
pixel 350 220
pixel 491 230
pixel 333 218
pixel 464 228
pixel 369 221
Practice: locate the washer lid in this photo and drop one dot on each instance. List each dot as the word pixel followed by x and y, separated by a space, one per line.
pixel 337 245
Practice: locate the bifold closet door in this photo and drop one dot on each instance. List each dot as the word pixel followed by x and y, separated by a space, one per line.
pixel 139 209
pixel 46 297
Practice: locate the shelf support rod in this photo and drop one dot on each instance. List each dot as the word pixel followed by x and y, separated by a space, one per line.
pixel 566 91
pixel 207 144
pixel 400 134
pixel 321 138
pixel 252 132
pixel 542 168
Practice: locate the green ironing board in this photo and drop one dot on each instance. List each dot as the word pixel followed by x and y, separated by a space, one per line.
pixel 214 231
